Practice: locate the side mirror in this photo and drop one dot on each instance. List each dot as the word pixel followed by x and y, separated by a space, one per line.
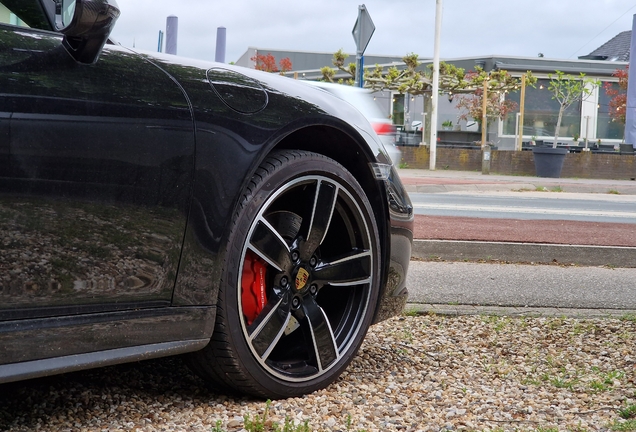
pixel 86 25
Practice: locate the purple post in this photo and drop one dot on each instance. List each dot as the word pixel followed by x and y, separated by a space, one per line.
pixel 220 45
pixel 172 30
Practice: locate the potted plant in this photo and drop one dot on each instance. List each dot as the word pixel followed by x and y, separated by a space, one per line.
pixel 447 125
pixel 566 90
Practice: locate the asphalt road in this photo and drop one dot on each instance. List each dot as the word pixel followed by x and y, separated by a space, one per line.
pixel 528 206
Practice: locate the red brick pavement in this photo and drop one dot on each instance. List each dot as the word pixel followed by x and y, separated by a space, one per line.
pixel 525 231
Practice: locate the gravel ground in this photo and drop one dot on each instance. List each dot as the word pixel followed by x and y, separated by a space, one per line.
pixel 413 373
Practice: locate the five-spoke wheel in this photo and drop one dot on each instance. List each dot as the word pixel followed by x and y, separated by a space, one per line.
pixel 301 287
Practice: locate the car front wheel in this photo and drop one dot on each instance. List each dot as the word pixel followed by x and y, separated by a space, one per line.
pixel 300 282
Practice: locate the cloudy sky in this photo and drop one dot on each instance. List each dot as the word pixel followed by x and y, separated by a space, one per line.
pixel 557 28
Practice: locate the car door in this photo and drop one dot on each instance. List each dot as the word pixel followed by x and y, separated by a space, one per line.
pixel 96 165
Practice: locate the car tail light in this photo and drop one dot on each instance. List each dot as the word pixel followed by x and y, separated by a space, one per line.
pixel 383 128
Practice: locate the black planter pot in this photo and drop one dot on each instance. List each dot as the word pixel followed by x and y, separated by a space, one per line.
pixel 548 161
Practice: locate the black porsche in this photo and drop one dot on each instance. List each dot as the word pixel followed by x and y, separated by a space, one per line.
pixel 152 205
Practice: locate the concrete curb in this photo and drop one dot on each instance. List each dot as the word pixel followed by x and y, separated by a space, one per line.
pixel 488 187
pixel 456 310
pixel 524 252
pixel 506 187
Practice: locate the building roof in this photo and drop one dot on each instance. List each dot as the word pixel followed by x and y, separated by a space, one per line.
pixel 304 60
pixel 615 49
pixel 538 65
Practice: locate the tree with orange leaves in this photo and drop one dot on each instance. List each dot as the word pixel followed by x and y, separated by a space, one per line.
pixel 267 63
pixel 618 102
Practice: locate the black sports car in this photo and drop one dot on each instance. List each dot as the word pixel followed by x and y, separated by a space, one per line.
pixel 152 205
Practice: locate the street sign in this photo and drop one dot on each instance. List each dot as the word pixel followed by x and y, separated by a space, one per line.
pixel 363 30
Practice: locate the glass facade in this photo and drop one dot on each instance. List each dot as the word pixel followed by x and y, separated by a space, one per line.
pixel 606 128
pixel 397 112
pixel 541 114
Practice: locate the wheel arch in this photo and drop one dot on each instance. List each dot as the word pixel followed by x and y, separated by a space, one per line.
pixel 355 155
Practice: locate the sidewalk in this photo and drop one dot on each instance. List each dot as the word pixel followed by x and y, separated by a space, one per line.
pixel 426 181
pixel 459 288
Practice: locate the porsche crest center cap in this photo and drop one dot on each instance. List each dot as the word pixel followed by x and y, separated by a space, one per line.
pixel 301 279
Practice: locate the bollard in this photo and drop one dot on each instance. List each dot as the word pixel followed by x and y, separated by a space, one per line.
pixel 485 159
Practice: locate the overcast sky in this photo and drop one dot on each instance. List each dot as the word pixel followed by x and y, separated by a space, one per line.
pixel 563 29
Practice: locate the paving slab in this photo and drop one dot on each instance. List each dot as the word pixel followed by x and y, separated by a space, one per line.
pixel 514 289
pixel 580 255
pixel 418 180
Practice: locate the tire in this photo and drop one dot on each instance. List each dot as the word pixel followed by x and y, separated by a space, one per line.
pixel 300 282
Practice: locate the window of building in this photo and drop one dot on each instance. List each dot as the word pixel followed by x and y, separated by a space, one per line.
pixel 606 128
pixel 397 109
pixel 541 113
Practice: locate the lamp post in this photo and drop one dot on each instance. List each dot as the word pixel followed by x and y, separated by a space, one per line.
pixel 522 110
pixel 484 117
pixel 435 92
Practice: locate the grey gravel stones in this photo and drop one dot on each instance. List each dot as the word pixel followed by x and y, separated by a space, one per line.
pixel 413 373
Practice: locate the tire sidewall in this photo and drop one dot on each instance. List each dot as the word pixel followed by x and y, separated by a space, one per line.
pixel 306 165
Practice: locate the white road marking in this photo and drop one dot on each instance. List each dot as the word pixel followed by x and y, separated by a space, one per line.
pixel 514 209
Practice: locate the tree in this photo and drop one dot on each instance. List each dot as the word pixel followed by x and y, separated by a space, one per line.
pixel 267 63
pixel 285 65
pixel 566 90
pixel 496 106
pixel 329 73
pixel 415 80
pixel 499 83
pixel 453 80
pixel 618 101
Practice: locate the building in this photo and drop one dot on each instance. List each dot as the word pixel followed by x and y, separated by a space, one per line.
pixel 616 49
pixel 306 60
pixel 588 119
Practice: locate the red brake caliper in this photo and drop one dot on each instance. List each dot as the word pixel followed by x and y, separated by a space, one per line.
pixel 253 295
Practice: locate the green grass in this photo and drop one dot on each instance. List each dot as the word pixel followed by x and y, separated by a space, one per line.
pixel 410 312
pixel 545 189
pixel 627 413
pixel 626 426
pixel 261 423
pixel 613 192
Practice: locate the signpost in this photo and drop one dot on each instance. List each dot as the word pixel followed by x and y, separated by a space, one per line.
pixel 362 32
